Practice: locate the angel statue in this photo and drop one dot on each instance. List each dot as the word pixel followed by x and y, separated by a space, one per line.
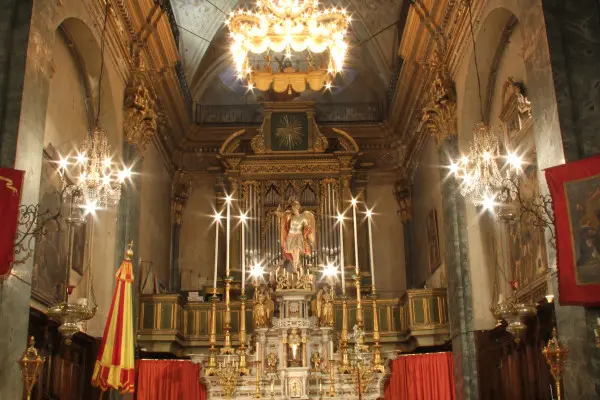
pixel 325 299
pixel 297 234
pixel 262 306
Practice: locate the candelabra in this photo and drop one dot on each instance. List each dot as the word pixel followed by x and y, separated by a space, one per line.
pixel 228 374
pixel 556 356
pixel 31 365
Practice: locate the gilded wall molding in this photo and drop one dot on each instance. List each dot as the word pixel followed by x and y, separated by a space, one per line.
pixel 140 120
pixel 439 112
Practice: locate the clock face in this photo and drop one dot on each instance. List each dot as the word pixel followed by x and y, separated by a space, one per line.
pixel 289 132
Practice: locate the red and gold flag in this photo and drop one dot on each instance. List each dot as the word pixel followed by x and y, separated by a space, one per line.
pixel 115 366
pixel 11 182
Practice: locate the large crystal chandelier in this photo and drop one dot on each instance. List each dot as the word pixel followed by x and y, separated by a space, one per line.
pixel 286 26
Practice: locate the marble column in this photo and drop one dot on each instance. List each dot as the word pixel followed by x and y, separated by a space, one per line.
pixel 562 54
pixel 22 121
pixel 460 301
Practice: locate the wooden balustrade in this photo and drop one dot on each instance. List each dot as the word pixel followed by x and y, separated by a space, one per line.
pixel 167 323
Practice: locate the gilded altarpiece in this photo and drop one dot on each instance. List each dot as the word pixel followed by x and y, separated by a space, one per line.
pixel 290 159
pixel 526 247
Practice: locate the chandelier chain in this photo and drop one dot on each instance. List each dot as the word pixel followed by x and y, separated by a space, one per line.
pixel 475 59
pixel 102 44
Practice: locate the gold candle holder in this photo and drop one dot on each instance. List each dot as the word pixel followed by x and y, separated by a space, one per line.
pixel 359 309
pixel 378 365
pixel 212 358
pixel 227 348
pixel 243 369
pixel 31 365
pixel 556 356
pixel 344 367
pixel 257 394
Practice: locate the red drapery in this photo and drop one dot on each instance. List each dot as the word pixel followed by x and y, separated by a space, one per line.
pixel 168 380
pixel 422 377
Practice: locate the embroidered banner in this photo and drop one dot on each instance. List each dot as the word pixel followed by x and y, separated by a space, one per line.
pixel 11 181
pixel 575 190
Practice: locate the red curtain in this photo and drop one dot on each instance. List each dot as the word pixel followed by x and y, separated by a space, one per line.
pixel 168 380
pixel 421 377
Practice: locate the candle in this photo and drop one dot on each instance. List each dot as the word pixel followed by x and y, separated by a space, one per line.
pixel 228 201
pixel 217 220
pixel 369 221
pixel 341 222
pixel 354 202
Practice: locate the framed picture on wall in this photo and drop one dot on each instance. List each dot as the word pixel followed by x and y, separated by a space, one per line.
pixel 433 241
pixel 575 190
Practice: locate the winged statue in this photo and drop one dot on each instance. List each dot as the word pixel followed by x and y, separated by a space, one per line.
pixel 297 233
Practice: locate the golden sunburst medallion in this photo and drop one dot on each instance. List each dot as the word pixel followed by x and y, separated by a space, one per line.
pixel 289 132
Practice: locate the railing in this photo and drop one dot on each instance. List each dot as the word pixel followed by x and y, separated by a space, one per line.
pixel 252 114
pixel 167 324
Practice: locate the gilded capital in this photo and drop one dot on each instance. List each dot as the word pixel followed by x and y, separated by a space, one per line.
pixel 439 112
pixel 140 118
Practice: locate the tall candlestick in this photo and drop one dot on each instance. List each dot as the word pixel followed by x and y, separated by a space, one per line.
pixel 217 221
pixel 243 219
pixel 228 201
pixel 369 221
pixel 342 271
pixel 354 202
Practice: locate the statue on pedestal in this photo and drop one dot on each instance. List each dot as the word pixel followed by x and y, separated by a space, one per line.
pixel 325 299
pixel 262 306
pixel 297 233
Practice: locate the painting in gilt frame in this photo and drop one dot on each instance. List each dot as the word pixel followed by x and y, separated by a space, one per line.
pixel 51 251
pixel 433 241
pixel 289 131
pixel 575 191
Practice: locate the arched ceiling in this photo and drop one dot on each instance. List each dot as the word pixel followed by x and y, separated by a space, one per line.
pixel 204 49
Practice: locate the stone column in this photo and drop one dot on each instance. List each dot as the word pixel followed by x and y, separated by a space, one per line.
pixel 439 117
pixel 22 122
pixel 460 301
pixel 561 58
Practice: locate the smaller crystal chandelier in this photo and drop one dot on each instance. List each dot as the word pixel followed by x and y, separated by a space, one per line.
pixel 481 177
pixel 97 180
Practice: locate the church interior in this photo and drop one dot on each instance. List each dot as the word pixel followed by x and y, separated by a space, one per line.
pixel 300 199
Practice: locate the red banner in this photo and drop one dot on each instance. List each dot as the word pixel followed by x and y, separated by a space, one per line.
pixel 11 182
pixel 575 191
